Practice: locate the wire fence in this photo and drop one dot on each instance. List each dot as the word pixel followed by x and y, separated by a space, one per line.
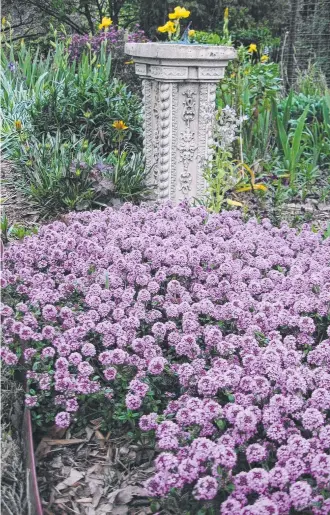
pixel 306 41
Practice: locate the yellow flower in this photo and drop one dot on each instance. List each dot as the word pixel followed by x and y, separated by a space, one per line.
pixel 106 22
pixel 18 125
pixel 3 21
pixel 179 12
pixel 87 114
pixel 129 62
pixel 119 125
pixel 252 48
pixel 191 33
pixel 264 58
pixel 168 27
pixel 226 14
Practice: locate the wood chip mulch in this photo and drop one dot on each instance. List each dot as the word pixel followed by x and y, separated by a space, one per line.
pixel 89 473
pixel 17 208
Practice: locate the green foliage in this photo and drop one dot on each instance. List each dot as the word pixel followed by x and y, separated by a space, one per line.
pixel 130 175
pixel 58 125
pixel 298 104
pixel 326 114
pixel 13 231
pixel 312 81
pixel 250 86
pixel 290 142
pixel 4 225
pixel 285 139
pixel 261 35
pixel 58 176
pixel 221 177
pixel 82 98
pixel 208 38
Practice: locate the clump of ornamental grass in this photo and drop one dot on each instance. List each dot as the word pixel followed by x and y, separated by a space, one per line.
pixel 209 332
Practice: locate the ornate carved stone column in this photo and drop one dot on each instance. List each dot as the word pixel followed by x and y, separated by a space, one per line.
pixel 179 87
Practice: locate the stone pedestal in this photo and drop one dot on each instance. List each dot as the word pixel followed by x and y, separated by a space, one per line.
pixel 179 88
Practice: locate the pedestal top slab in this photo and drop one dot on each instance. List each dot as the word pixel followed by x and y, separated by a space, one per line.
pixel 179 51
pixel 176 62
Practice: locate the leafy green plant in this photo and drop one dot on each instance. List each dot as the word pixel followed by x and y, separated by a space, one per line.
pixel 311 81
pixel 14 231
pixel 224 175
pixel 59 119
pixel 326 114
pixel 4 225
pixel 298 103
pixel 221 177
pixel 248 86
pixel 308 175
pixel 257 136
pixel 130 175
pixel 261 35
pixel 209 38
pixel 290 143
pixel 58 176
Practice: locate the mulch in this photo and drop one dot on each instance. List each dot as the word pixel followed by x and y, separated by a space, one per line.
pixel 89 473
pixel 18 210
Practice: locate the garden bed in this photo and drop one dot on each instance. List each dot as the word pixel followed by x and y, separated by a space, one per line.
pixel 201 338
pixel 176 358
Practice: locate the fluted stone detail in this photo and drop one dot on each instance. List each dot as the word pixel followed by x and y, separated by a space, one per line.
pixel 165 140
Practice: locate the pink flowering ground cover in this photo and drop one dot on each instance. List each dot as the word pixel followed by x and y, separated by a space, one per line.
pixel 204 331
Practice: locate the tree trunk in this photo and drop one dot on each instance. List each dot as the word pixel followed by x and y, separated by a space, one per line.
pixel 88 16
pixel 114 9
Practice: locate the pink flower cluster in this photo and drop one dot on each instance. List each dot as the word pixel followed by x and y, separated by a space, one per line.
pixel 235 314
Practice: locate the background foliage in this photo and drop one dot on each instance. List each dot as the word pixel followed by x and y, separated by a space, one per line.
pixel 83 16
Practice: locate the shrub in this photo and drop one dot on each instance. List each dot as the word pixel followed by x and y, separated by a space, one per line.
pixel 87 101
pixel 211 331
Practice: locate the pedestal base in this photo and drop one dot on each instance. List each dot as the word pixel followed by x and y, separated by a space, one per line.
pixel 177 136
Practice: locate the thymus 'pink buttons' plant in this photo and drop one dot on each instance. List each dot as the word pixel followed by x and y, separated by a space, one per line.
pixel 228 319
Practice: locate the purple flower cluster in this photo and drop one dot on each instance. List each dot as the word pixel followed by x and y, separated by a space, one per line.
pixel 114 39
pixel 236 313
